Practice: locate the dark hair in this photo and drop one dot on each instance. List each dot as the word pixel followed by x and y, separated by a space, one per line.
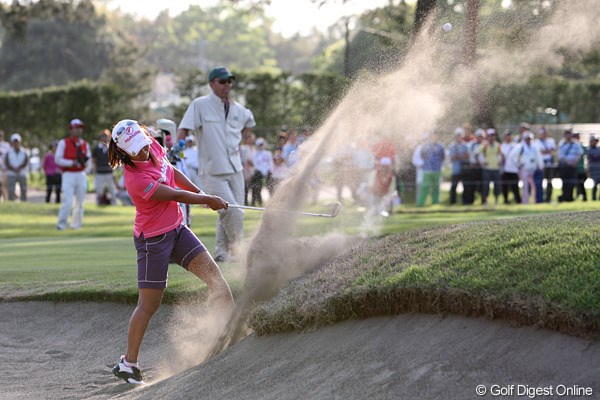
pixel 116 157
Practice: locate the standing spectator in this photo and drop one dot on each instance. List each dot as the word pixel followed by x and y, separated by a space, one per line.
pixel 190 157
pixel 104 180
pixel 458 152
pixel 4 147
pixel 417 162
pixel 16 161
pixel 280 171
pixel 581 173
pixel 72 155
pixel 490 158
pixel 247 156
pixel 291 146
pixel 381 188
pixel 343 172
pixel 175 155
pixel 528 159
pixel 569 154
pixel 433 155
pixel 282 138
pixel 52 173
pixel 473 176
pixel 593 157
pixel 219 123
pixel 263 164
pixel 510 172
pixel 547 147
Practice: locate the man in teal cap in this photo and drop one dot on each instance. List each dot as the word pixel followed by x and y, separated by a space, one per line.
pixel 219 124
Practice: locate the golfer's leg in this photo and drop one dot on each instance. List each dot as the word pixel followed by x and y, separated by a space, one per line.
pixel 148 302
pixel 205 268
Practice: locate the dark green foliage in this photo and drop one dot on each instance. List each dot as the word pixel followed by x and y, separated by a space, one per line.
pixel 43 114
pixel 51 42
pixel 274 98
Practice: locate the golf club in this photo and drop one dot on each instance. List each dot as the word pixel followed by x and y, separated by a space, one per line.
pixel 335 210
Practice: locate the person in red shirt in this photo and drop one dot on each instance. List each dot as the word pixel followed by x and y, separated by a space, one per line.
pixel 72 155
pixel 156 188
pixel 52 173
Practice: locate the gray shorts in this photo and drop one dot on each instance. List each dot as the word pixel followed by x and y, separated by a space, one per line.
pixel 154 254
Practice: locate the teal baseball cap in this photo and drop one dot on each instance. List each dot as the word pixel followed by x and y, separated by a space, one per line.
pixel 220 73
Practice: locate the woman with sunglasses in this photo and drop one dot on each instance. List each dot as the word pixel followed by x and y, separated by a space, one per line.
pixel 156 188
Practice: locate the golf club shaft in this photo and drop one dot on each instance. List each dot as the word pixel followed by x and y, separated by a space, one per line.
pixel 288 211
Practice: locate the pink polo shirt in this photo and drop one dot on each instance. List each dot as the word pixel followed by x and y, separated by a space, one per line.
pixel 152 218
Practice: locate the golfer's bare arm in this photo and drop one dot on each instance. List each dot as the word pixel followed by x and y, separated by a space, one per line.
pixel 167 193
pixel 183 182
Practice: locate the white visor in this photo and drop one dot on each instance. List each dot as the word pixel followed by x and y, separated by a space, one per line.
pixel 129 137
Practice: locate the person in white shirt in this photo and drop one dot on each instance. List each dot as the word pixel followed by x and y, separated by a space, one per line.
pixel 509 171
pixel 263 165
pixel 16 161
pixel 190 156
pixel 528 159
pixel 4 147
pixel 247 156
pixel 219 123
pixel 547 147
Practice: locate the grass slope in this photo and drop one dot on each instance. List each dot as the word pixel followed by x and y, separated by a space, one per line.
pixel 542 271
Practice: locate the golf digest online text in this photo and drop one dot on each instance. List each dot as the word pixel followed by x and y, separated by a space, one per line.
pixel 534 391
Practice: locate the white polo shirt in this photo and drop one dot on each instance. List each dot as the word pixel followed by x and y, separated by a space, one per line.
pixel 218 139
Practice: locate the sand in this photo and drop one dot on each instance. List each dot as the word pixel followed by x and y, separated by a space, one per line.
pixel 65 351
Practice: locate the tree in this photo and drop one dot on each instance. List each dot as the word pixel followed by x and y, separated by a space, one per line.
pixel 51 42
pixel 225 34
pixel 425 8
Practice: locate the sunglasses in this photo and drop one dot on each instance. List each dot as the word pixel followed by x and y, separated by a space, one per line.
pixel 224 81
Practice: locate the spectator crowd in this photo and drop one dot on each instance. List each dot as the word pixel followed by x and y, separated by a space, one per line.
pixel 483 167
pixel 480 166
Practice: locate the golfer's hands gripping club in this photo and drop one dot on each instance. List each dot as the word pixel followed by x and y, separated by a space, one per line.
pixel 216 203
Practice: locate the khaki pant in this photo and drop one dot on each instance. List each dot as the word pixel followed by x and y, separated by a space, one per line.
pixel 230 224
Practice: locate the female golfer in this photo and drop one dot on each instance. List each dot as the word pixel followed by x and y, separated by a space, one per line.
pixel 159 234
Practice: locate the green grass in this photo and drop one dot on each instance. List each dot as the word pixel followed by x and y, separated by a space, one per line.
pixel 542 271
pixel 533 264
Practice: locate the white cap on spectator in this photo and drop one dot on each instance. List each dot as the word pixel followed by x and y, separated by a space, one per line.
pixel 15 136
pixel 527 135
pixel 260 141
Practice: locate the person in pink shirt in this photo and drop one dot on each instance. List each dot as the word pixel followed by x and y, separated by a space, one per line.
pixel 156 188
pixel 52 172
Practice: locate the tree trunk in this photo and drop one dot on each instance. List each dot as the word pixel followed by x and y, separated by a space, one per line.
pixel 482 113
pixel 424 9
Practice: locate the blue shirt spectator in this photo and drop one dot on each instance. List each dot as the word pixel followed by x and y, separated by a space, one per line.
pixel 433 156
pixel 455 152
pixel 570 152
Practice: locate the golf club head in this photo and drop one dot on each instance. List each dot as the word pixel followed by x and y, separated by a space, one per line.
pixel 337 207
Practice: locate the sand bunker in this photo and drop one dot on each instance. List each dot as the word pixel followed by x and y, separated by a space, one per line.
pixel 65 351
